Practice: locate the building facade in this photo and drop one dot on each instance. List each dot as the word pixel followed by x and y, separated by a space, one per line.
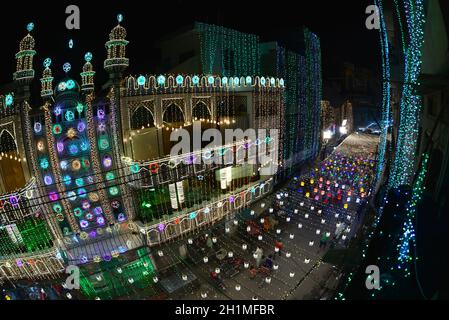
pixel 93 181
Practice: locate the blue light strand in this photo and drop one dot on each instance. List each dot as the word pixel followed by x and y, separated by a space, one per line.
pixel 403 164
pixel 386 89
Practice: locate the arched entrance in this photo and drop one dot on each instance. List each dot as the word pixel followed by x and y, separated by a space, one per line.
pixel 11 170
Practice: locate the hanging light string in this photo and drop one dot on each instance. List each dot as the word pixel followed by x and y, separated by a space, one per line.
pixel 403 164
pixel 386 90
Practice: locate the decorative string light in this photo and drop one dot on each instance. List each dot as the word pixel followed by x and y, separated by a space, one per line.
pixel 403 164
pixel 386 91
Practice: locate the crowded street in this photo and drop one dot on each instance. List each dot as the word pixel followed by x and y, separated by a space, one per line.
pixel 275 249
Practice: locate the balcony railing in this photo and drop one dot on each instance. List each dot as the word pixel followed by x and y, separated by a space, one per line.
pixel 41 265
pixel 147 174
pixel 210 213
pixel 20 205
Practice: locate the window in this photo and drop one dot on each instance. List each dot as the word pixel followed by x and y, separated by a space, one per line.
pixel 228 62
pixel 445 106
pixel 186 56
pixel 432 106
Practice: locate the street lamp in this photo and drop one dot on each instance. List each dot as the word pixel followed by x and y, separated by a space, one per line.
pixel 327 135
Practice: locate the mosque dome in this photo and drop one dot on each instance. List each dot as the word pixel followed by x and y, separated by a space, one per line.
pixel 27 43
pixel 117 33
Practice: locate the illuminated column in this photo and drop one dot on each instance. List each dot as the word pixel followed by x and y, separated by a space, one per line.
pixel 24 62
pixel 87 76
pixel 115 64
pixel 47 80
pixel 188 110
pixel 23 76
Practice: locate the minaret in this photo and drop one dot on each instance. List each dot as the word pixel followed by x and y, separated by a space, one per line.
pixel 24 67
pixel 87 76
pixel 115 64
pixel 116 61
pixel 47 80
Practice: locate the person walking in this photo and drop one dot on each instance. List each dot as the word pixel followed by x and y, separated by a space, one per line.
pixel 266 225
pixel 278 245
pixel 258 254
pixel 269 262
pixel 323 240
pixel 252 272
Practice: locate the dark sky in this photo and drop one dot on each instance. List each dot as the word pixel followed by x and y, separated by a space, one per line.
pixel 340 25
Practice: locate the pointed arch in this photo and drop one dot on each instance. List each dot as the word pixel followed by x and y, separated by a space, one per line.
pixel 6 141
pixel 200 111
pixel 173 114
pixel 142 117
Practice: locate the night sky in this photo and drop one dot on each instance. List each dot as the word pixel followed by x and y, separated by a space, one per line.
pixel 339 24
